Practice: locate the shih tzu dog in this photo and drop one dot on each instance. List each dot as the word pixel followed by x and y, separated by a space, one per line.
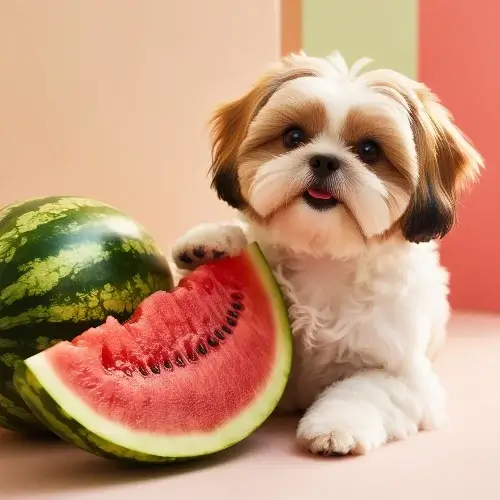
pixel 345 178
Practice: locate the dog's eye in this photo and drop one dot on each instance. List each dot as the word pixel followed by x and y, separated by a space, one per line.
pixel 368 151
pixel 293 138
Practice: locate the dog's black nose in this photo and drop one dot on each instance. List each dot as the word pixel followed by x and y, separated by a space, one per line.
pixel 324 165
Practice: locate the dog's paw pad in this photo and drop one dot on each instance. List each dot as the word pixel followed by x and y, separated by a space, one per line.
pixel 199 252
pixel 184 258
pixel 218 254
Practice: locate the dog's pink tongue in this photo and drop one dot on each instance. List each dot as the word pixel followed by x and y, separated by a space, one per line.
pixel 322 195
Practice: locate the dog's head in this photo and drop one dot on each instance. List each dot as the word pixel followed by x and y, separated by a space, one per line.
pixel 327 159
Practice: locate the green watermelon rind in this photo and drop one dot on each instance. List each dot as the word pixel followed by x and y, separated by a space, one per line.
pixel 53 417
pixel 33 320
pixel 74 421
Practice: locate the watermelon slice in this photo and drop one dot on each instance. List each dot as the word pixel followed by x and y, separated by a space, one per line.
pixel 192 372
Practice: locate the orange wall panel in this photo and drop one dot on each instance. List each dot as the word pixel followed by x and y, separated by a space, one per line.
pixel 291 26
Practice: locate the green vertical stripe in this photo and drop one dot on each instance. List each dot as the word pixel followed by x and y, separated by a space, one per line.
pixel 383 30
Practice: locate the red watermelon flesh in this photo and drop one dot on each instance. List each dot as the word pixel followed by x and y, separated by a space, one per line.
pixel 191 362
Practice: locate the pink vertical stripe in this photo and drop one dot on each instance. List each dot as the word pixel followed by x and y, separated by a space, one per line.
pixel 459 58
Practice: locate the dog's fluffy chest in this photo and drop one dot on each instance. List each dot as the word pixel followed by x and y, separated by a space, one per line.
pixel 330 300
pixel 347 315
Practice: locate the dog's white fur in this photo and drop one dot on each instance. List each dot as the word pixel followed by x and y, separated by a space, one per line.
pixel 367 315
pixel 361 330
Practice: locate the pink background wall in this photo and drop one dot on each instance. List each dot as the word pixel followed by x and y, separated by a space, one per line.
pixel 459 55
pixel 111 99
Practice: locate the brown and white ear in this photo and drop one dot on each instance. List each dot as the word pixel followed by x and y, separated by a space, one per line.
pixel 448 163
pixel 230 125
pixel 447 160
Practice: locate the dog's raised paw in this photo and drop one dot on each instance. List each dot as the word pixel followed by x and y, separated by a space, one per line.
pixel 206 243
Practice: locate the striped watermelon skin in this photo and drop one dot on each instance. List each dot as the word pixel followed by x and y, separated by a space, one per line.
pixel 66 263
pixel 55 418
pixel 193 372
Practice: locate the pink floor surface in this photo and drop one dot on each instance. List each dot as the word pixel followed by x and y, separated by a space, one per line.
pixel 460 461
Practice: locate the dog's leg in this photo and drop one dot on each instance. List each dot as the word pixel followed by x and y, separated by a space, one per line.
pixel 371 408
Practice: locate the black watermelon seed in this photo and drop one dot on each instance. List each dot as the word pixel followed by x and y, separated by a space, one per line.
pixel 238 306
pixel 231 321
pixel 219 334
pixel 199 252
pixel 168 365
pixel 192 356
pixel 226 329
pixel 237 296
pixel 155 369
pixel 128 372
pixel 232 313
pixel 201 349
pixel 179 361
pixel 143 370
pixel 212 342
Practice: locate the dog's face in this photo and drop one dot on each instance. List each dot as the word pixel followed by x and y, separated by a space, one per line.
pixel 327 160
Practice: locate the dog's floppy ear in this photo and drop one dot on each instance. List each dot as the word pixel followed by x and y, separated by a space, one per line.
pixel 448 163
pixel 229 127
pixel 447 160
pixel 230 124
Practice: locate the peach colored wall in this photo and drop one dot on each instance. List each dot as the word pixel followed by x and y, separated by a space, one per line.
pixel 111 99
pixel 459 50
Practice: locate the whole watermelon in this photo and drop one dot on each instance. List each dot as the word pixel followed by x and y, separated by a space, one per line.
pixel 66 263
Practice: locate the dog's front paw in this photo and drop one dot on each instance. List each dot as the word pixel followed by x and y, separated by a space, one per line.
pixel 349 427
pixel 344 431
pixel 206 243
pixel 331 443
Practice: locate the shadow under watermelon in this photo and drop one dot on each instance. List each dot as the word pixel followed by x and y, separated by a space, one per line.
pixel 49 465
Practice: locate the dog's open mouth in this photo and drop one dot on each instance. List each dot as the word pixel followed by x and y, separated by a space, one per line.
pixel 319 199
